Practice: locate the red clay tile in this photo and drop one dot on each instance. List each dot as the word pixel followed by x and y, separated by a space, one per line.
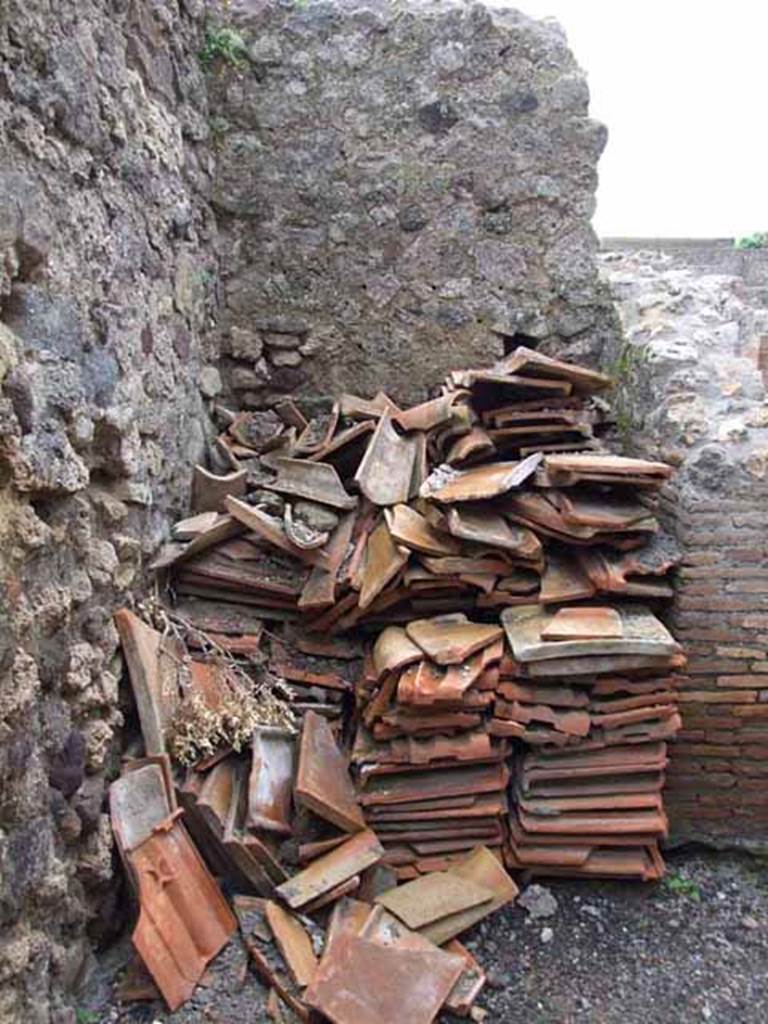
pixel 314 481
pixel 184 920
pixel 332 869
pixel 368 983
pixel 293 942
pixel 271 781
pixel 482 868
pixel 431 897
pixel 451 639
pixel 383 560
pixel 322 780
pixel 386 474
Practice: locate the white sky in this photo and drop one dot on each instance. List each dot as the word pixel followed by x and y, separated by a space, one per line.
pixel 683 89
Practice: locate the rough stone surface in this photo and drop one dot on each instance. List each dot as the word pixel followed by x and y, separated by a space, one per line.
pixel 692 389
pixel 399 190
pixel 105 271
pixel 538 901
pixel 403 189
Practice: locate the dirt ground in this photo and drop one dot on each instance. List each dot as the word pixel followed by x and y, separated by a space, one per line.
pixel 693 948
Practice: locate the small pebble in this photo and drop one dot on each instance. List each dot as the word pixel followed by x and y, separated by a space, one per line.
pixel 547 935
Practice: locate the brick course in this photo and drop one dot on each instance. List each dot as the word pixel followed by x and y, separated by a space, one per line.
pixel 717 781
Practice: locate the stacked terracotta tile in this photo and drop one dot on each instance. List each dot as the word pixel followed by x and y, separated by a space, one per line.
pixel 431 779
pixel 453 596
pixel 494 496
pixel 590 688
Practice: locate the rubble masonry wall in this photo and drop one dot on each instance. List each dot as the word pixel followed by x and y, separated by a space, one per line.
pixel 107 269
pixel 400 188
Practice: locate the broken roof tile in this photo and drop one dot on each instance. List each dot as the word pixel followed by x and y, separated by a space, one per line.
pixel 483 869
pixel 293 942
pixel 386 472
pixel 382 561
pixel 447 486
pixel 322 780
pixel 209 489
pixel 470 447
pixel 563 579
pixel 412 530
pixel 428 415
pixel 272 530
pixel 483 526
pixel 357 853
pixel 153 666
pixel 314 481
pixel 431 897
pixel 394 650
pixel 139 801
pixel 530 362
pixel 451 639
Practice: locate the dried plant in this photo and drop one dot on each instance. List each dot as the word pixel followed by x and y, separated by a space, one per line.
pixel 244 700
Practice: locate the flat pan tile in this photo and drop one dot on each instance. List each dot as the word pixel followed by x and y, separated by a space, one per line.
pixel 642 634
pixel 433 896
pixel 395 789
pixel 584 624
pixel 331 870
pixel 483 869
pixel 184 919
pixel 368 983
pixel 323 783
pixel 271 781
pixel 293 942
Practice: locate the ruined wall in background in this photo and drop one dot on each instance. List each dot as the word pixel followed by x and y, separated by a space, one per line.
pixel 400 188
pixel 106 259
pixel 694 375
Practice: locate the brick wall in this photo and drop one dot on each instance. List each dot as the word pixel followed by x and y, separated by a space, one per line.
pixel 696 315
pixel 718 777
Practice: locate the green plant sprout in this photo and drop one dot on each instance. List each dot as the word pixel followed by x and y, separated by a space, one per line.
pixel 681 886
pixel 758 240
pixel 225 45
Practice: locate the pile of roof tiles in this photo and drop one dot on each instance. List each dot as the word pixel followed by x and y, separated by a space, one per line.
pixel 321 917
pixel 458 599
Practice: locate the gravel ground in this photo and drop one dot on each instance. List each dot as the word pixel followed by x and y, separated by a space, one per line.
pixel 693 948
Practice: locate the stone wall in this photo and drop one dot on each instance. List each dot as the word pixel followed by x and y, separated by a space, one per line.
pixel 402 189
pixel 694 371
pixel 396 190
pixel 106 270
